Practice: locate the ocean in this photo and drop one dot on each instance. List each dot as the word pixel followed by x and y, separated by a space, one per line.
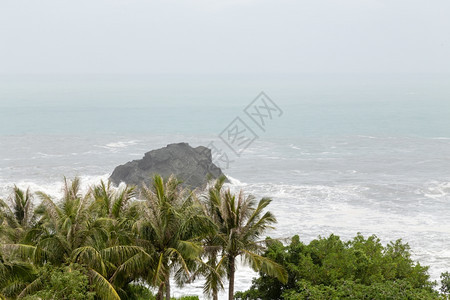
pixel 342 154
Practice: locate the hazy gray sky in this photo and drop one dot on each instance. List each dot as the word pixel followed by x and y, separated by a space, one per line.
pixel 226 36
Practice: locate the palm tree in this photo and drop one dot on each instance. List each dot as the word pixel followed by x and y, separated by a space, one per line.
pixel 18 217
pixel 72 231
pixel 15 220
pixel 15 275
pixel 115 206
pixel 124 257
pixel 212 266
pixel 171 227
pixel 241 221
pixel 69 233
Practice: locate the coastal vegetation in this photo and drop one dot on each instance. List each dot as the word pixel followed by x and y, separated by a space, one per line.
pixel 129 243
pixel 329 268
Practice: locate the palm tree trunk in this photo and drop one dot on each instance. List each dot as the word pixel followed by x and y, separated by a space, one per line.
pixel 160 295
pixel 215 288
pixel 231 279
pixel 167 283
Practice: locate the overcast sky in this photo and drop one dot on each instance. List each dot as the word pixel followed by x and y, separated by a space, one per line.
pixel 224 36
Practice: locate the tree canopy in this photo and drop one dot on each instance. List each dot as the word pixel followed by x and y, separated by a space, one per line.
pixel 329 268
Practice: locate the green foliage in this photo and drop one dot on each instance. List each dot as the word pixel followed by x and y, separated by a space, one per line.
pixel 170 232
pixel 240 221
pixel 350 290
pixel 17 218
pixel 64 283
pixel 329 268
pixel 445 283
pixel 141 292
pixel 15 275
pixel 138 292
pixel 104 244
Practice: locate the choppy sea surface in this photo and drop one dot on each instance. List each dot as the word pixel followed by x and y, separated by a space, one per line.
pixel 347 155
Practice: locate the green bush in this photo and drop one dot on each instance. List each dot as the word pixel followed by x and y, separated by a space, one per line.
pixel 63 283
pixel 445 283
pixel 138 292
pixel 329 268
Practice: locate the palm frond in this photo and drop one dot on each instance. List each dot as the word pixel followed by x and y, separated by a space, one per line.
pixel 119 254
pixel 266 265
pixel 20 250
pixel 160 270
pixel 103 287
pixel 89 256
pixel 50 207
pixel 32 287
pixel 135 265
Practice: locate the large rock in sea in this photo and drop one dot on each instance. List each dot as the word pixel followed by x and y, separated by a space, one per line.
pixel 193 166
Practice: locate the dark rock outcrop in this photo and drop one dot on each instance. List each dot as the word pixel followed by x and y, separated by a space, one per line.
pixel 193 166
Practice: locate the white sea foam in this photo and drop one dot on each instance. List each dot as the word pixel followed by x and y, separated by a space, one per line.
pixel 119 144
pixel 53 189
pixel 436 190
pixel 367 136
pixel 235 182
pixel 292 146
pixel 47 155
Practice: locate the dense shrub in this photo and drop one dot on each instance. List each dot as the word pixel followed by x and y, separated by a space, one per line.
pixel 329 268
pixel 63 283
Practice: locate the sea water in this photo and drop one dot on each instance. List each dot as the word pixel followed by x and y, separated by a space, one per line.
pixel 346 154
